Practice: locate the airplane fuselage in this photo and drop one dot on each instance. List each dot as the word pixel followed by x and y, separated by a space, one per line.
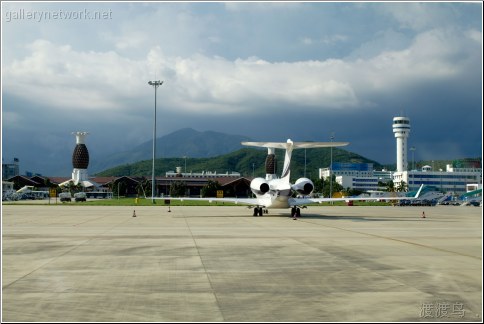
pixel 278 196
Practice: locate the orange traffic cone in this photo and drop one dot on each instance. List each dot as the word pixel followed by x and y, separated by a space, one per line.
pixel 134 213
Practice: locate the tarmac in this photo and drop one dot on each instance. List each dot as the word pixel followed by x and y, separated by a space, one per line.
pixel 221 264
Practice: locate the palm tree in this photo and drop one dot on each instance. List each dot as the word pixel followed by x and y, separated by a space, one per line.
pixel 402 187
pixel 390 186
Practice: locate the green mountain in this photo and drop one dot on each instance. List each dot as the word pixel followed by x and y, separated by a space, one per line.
pixel 184 142
pixel 247 161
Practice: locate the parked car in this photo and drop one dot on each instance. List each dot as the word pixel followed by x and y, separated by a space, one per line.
pixel 404 202
pixel 65 196
pixel 80 196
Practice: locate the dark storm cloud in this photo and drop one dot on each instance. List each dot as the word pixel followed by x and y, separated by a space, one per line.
pixel 268 71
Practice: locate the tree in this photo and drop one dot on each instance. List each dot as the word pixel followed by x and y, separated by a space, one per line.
pixel 210 189
pixel 178 188
pixel 335 186
pixel 402 187
pixel 49 183
pixel 390 186
pixel 382 185
pixel 73 188
pixel 318 185
pixel 354 192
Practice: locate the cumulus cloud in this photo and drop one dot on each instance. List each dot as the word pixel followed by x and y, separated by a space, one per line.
pixel 64 77
pixel 260 6
pixel 326 39
pixel 418 16
pixel 105 79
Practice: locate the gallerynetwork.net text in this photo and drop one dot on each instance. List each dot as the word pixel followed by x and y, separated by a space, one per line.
pixel 39 15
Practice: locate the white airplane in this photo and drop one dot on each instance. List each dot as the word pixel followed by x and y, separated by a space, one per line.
pixel 277 192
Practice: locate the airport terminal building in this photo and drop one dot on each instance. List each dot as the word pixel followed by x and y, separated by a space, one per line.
pixel 361 176
pixel 358 176
pixel 453 179
pixel 458 178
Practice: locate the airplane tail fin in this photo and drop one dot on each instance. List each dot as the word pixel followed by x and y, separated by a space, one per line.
pixel 289 146
pixel 417 195
pixel 286 170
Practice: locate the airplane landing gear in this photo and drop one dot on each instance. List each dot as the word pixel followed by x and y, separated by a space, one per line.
pixel 258 211
pixel 295 212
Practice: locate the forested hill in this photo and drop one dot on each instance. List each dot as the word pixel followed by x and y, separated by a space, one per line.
pixel 247 161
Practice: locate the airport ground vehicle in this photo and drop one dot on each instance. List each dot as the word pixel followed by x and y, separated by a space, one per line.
pixel 65 196
pixel 80 196
pixel 472 203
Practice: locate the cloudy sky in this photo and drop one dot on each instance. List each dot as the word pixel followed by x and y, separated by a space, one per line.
pixel 270 71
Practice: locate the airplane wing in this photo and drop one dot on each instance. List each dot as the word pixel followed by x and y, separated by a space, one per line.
pixel 318 144
pixel 308 201
pixel 242 201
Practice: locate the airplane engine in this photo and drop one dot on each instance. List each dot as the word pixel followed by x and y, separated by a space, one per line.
pixel 304 186
pixel 259 186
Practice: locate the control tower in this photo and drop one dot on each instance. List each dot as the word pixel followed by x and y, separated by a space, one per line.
pixel 401 129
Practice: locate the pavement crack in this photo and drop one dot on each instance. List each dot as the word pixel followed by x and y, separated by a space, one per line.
pixel 205 269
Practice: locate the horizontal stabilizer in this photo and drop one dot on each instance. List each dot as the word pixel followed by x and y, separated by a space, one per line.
pixel 295 145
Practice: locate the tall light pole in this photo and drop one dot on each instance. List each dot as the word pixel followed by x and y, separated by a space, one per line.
pixel 155 85
pixel 413 156
pixel 331 169
pixel 413 167
pixel 305 162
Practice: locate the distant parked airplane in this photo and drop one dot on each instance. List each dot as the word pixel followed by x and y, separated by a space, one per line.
pixel 277 192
